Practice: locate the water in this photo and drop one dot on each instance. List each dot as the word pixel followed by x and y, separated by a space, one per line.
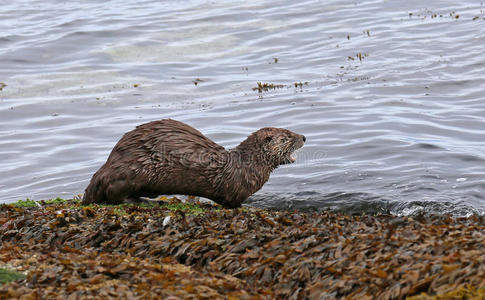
pixel 392 95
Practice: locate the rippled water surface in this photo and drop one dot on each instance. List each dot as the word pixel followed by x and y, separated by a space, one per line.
pixel 391 100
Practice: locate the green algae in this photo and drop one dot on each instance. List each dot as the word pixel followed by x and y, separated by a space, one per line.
pixel 32 203
pixel 193 207
pixel 9 275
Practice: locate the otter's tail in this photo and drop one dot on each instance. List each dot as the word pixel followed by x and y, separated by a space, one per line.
pixel 93 193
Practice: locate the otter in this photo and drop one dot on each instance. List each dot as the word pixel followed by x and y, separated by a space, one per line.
pixel 170 157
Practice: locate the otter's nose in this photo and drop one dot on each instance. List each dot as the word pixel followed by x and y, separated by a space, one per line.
pixel 304 138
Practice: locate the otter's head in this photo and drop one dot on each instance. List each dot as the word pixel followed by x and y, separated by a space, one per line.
pixel 274 146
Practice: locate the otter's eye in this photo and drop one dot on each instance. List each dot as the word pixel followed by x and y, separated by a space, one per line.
pixel 269 138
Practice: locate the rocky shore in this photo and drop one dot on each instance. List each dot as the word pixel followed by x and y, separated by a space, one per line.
pixel 201 251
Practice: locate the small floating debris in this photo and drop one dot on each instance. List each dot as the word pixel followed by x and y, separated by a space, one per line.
pixel 300 84
pixel 2 85
pixel 361 78
pixel 462 179
pixel 423 14
pixel 274 60
pixel 264 87
pixel 359 55
pixel 197 80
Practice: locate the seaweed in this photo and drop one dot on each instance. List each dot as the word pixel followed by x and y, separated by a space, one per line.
pixel 199 250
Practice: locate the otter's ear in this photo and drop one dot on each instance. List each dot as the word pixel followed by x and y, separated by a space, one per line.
pixel 269 138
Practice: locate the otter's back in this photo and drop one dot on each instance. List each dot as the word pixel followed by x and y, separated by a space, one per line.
pixel 168 154
pixel 167 138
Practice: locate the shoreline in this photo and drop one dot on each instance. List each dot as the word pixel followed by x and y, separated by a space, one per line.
pixel 204 251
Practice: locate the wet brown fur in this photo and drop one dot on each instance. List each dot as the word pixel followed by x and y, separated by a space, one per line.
pixel 170 157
